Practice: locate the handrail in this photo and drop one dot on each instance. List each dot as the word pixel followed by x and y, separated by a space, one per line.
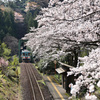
pixel 66 65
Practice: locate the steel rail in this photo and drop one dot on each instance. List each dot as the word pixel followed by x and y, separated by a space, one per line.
pixel 32 70
pixel 27 71
pixel 31 75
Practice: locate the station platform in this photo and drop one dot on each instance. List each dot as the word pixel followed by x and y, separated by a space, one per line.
pixel 56 90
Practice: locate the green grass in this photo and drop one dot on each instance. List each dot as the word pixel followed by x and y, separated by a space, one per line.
pixel 9 86
pixel 18 69
pixel 58 78
pixel 8 89
pixel 42 81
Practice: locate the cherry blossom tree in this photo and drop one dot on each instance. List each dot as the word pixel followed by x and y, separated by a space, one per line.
pixel 90 74
pixel 66 26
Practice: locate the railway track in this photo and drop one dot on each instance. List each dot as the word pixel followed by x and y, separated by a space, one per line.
pixel 35 88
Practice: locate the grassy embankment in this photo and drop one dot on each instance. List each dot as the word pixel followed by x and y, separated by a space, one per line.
pixel 9 85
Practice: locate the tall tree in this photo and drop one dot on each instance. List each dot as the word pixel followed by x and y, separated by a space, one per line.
pixel 2 34
pixel 7 24
pixel 68 25
pixel 30 20
pixel 64 26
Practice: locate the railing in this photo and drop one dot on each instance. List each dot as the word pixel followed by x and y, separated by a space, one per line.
pixel 65 65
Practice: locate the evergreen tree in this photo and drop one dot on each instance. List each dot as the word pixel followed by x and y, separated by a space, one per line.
pixel 7 24
pixel 2 34
pixel 30 20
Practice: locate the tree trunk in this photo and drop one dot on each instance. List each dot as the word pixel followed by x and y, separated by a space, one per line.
pixel 76 58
